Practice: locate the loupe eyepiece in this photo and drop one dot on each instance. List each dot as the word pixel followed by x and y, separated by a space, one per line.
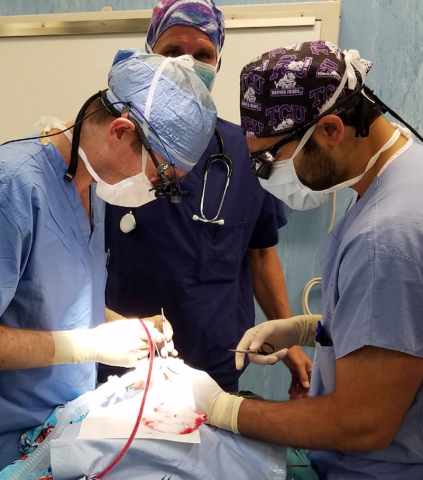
pixel 160 192
pixel 176 196
pixel 169 188
pixel 262 169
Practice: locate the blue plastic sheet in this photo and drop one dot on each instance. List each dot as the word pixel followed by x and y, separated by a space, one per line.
pixel 220 455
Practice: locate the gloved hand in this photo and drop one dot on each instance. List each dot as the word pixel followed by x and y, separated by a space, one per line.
pixel 281 334
pixel 220 407
pixel 121 343
pixel 112 316
pixel 169 346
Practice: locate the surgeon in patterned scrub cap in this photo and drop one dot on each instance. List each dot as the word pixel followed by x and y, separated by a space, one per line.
pixel 286 90
pixel 313 127
pixel 200 14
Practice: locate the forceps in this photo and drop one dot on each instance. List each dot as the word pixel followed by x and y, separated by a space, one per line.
pixel 266 349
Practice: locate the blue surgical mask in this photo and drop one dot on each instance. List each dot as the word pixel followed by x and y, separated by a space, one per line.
pixel 206 72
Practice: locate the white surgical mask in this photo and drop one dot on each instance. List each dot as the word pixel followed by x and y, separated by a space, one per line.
pixel 284 183
pixel 132 192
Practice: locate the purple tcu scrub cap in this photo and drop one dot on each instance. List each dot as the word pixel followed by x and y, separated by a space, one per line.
pixel 290 86
pixel 201 14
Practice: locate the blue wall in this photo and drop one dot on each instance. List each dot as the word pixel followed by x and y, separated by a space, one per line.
pixel 34 7
pixel 388 32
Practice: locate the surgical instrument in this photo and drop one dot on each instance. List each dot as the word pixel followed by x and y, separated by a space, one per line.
pixel 266 349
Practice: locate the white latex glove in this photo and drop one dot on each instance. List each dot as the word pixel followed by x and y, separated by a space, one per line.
pixel 121 343
pixel 168 346
pixel 220 407
pixel 281 334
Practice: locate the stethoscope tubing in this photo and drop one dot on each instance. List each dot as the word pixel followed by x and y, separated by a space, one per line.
pixel 217 157
pixel 128 222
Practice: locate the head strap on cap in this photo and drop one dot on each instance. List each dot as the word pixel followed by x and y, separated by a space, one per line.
pixel 73 165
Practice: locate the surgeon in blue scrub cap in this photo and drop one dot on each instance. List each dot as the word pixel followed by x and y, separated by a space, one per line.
pixel 150 126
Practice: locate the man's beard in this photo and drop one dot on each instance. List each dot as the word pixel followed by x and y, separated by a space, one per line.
pixel 318 168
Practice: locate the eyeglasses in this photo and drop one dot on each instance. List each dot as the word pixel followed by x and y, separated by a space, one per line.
pixel 167 186
pixel 263 160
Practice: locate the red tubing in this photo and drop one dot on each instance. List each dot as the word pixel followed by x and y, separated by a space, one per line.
pixel 144 398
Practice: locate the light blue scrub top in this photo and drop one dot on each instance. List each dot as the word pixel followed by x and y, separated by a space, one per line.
pixel 372 271
pixel 52 277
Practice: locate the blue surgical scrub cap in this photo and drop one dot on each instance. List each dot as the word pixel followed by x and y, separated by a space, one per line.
pixel 200 14
pixel 176 103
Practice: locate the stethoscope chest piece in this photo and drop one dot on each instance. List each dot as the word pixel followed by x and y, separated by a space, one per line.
pixel 127 222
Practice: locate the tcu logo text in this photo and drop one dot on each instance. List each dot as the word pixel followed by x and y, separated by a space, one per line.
pixel 250 125
pixel 251 80
pixel 279 113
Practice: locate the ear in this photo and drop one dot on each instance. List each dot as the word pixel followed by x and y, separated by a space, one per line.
pixel 118 127
pixel 330 131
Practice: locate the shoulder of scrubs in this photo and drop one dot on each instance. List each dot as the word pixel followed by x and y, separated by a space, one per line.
pixel 27 169
pixel 272 214
pixel 44 225
pixel 377 273
pixel 16 163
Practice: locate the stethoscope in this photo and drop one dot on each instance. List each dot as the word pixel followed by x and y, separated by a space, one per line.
pixel 128 222
pixel 217 157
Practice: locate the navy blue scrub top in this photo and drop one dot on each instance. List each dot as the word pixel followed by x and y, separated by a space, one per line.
pixel 198 272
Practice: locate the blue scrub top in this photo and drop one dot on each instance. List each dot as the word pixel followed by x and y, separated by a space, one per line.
pixel 198 272
pixel 372 273
pixel 52 277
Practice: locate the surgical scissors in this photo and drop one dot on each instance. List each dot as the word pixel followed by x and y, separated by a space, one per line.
pixel 266 349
